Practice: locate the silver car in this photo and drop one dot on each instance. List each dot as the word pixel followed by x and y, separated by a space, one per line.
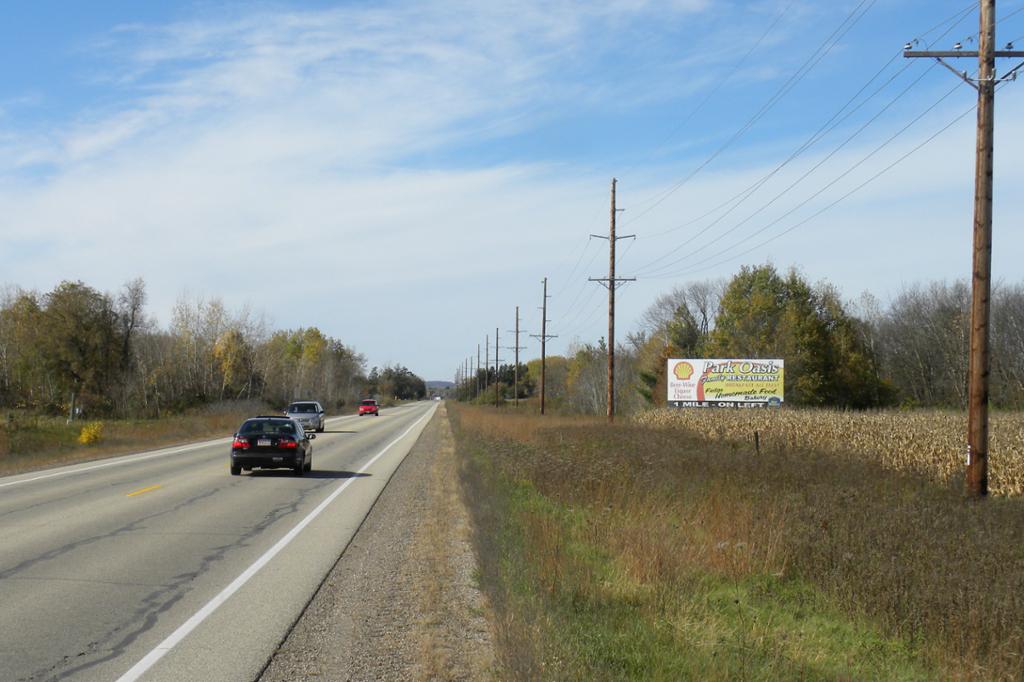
pixel 309 413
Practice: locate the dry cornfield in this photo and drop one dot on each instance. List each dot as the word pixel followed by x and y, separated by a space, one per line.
pixel 928 442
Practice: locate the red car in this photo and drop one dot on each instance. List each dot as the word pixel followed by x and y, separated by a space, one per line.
pixel 369 407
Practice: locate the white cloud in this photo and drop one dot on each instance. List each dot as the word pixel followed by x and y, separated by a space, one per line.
pixel 279 152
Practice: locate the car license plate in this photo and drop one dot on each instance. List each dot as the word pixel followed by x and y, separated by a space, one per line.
pixel 263 443
pixel 279 459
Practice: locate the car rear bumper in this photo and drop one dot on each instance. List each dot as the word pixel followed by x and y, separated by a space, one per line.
pixel 266 460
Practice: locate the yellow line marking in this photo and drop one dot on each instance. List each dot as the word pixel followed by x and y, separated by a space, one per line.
pixel 144 490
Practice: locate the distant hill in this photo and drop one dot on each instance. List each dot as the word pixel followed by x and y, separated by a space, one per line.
pixel 434 385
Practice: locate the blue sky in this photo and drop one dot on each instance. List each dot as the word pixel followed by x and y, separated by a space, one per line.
pixel 446 156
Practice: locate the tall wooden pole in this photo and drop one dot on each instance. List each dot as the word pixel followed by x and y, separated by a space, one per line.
pixel 611 281
pixel 497 383
pixel 979 360
pixel 981 280
pixel 544 342
pixel 611 310
pixel 515 371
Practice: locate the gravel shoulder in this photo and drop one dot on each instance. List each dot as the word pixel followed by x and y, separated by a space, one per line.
pixel 402 602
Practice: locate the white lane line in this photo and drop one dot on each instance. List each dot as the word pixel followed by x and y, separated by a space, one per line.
pixel 130 459
pixel 192 623
pixel 119 461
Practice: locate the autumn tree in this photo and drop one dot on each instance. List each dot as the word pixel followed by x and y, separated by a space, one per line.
pixel 766 315
pixel 676 325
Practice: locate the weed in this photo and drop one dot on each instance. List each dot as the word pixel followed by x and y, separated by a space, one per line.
pixel 633 552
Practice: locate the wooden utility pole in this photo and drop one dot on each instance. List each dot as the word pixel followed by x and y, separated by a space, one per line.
pixel 611 282
pixel 979 361
pixel 487 357
pixel 476 374
pixel 515 370
pixel 543 336
pixel 497 384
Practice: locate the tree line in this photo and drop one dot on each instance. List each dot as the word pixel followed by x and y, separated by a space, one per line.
pixel 857 355
pixel 76 348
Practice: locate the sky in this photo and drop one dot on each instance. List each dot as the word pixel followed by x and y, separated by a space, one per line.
pixel 402 175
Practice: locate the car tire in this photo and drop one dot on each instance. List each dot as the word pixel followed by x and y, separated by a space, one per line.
pixel 309 463
pixel 299 468
pixel 236 470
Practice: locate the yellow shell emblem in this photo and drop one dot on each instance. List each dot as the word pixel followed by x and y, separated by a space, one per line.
pixel 683 370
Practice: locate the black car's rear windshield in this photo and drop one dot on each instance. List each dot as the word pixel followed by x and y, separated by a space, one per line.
pixel 254 427
pixel 369 402
pixel 302 407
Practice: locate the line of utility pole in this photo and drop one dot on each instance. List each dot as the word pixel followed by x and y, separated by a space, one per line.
pixel 543 336
pixel 612 282
pixel 979 362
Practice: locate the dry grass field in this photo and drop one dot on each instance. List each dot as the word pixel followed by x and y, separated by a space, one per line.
pixel 32 442
pixel 926 442
pixel 632 552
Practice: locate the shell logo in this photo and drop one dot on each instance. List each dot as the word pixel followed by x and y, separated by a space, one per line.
pixel 683 371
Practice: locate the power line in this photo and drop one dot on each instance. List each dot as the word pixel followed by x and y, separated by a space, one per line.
pixel 581 309
pixel 721 82
pixel 827 128
pixel 663 275
pixel 582 285
pixel 820 53
pixel 583 252
pixel 577 310
pixel 822 131
pixel 802 177
pixel 827 207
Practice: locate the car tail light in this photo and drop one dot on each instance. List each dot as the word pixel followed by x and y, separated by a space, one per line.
pixel 242 443
pixel 287 443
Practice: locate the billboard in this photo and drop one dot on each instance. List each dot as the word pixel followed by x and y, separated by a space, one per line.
pixel 724 383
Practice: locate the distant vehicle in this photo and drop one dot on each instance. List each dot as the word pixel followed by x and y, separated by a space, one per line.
pixel 271 443
pixel 437 397
pixel 369 406
pixel 309 413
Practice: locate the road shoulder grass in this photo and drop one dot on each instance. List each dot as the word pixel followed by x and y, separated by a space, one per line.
pixel 30 442
pixel 601 565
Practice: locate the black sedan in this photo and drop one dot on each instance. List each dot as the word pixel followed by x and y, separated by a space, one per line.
pixel 271 443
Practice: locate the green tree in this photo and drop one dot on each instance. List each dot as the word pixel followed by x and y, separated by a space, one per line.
pixel 765 315
pixel 81 341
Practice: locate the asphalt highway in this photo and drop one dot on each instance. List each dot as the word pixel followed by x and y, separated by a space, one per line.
pixel 163 566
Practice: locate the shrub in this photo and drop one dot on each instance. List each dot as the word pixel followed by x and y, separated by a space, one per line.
pixel 91 434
